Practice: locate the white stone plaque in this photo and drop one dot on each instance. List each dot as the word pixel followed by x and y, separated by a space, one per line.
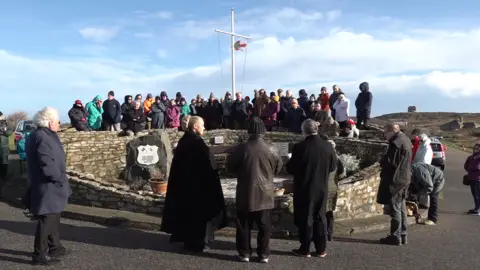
pixel 218 140
pixel 147 154
pixel 282 148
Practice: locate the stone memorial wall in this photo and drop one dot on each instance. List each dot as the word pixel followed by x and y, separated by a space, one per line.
pixel 103 153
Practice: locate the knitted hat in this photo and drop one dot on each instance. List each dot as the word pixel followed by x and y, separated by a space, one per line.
pixel 149 95
pixel 78 102
pixel 272 94
pixel 111 93
pixel 256 126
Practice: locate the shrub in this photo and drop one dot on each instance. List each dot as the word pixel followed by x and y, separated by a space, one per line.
pixel 14 118
pixel 350 162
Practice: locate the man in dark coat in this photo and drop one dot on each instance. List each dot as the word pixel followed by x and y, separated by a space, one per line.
pixel 311 163
pixel 285 104
pixel 363 103
pixel 49 187
pixel 112 113
pixel 395 178
pixel 157 114
pixel 194 205
pixel 428 180
pixel 78 116
pixel 239 112
pixel 126 107
pixel 294 117
pixel 255 163
pixel 5 133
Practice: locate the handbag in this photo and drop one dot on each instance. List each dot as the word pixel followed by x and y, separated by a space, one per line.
pixel 466 181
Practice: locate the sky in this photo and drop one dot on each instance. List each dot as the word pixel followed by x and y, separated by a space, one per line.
pixel 422 53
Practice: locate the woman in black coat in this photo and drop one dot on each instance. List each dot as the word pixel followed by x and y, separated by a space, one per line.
pixel 135 119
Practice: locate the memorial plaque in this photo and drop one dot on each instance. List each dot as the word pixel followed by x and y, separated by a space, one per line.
pixel 282 148
pixel 147 154
pixel 218 140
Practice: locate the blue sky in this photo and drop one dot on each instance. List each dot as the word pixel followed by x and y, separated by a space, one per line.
pixel 412 52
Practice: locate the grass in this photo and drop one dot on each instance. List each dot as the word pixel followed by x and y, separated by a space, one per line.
pixel 458 145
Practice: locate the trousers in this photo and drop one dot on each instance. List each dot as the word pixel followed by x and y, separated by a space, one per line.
pixel 245 221
pixel 47 236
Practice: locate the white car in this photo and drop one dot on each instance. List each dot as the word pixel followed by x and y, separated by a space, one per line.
pixel 22 127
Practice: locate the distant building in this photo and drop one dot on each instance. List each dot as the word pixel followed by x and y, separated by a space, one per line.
pixel 451 126
pixel 412 109
pixel 469 125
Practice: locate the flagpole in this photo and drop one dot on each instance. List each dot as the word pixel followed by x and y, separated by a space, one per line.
pixel 233 35
pixel 233 53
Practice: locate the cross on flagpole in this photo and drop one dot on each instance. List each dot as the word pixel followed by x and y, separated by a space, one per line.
pixel 233 35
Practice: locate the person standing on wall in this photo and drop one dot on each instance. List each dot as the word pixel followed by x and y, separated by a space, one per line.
pixel 363 103
pixel 194 205
pixel 255 164
pixel 49 186
pixel 5 133
pixel 311 163
pixel 395 179
pixel 112 113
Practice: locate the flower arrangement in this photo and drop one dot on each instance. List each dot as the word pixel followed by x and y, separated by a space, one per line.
pixel 350 162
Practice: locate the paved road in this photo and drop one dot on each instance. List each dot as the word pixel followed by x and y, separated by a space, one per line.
pixel 452 244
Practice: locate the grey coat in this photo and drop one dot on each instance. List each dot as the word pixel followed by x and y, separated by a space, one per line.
pixel 427 179
pixel 49 186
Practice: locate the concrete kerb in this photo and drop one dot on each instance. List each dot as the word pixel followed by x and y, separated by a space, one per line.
pixel 116 218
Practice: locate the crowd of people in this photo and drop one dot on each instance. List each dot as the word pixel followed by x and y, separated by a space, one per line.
pixel 278 110
pixel 406 174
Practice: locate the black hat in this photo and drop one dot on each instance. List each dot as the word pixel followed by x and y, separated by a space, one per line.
pixel 111 93
pixel 256 126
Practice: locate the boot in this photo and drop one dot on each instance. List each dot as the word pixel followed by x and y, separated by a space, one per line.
pixel 404 240
pixel 391 240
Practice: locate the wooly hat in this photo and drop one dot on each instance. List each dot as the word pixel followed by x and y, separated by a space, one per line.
pixel 256 126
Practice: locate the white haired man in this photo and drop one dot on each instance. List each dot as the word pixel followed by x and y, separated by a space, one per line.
pixel 311 163
pixel 49 187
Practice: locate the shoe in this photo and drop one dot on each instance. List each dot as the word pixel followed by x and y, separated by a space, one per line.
pixel 300 253
pixel 330 238
pixel 429 223
pixel 390 240
pixel 263 259
pixel 320 254
pixel 61 252
pixel 47 260
pixel 244 258
pixel 404 240
pixel 473 212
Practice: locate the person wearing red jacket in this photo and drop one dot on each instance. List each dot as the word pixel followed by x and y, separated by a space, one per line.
pixel 324 99
pixel 416 144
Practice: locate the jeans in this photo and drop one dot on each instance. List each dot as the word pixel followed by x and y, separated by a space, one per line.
pixel 475 188
pixel 263 221
pixel 433 209
pixel 398 223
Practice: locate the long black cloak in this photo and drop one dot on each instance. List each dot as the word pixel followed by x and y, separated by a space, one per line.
pixel 194 203
pixel 311 163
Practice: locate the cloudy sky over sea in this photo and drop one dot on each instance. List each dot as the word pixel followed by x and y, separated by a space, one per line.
pixel 422 53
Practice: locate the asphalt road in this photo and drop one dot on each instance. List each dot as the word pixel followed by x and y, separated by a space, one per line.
pixel 452 244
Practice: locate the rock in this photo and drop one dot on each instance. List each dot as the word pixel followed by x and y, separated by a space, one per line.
pixel 148 157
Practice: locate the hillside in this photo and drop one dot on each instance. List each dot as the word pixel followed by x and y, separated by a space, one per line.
pixel 430 122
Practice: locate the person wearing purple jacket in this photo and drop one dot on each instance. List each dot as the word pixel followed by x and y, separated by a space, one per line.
pixel 472 166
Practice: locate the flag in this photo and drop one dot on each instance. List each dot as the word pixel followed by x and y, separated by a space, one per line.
pixel 239 45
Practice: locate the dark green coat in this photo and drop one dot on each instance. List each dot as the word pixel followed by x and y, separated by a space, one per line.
pixel 333 179
pixel 4 145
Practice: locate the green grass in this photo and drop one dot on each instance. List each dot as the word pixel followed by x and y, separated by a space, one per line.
pixel 11 143
pixel 457 145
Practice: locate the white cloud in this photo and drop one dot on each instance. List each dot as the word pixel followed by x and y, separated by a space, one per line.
pixel 144 35
pixel 164 15
pixel 161 53
pixel 410 60
pixel 260 22
pixel 98 34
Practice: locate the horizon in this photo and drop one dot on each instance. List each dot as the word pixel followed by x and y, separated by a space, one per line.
pixel 409 53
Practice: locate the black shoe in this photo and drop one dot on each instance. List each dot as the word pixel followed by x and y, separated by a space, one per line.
pixel 60 252
pixel 390 240
pixel 404 240
pixel 300 253
pixel 47 260
pixel 329 238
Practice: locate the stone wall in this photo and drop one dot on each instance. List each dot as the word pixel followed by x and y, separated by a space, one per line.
pixel 102 153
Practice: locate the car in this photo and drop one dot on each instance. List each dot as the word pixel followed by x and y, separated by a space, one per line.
pixel 22 127
pixel 439 157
